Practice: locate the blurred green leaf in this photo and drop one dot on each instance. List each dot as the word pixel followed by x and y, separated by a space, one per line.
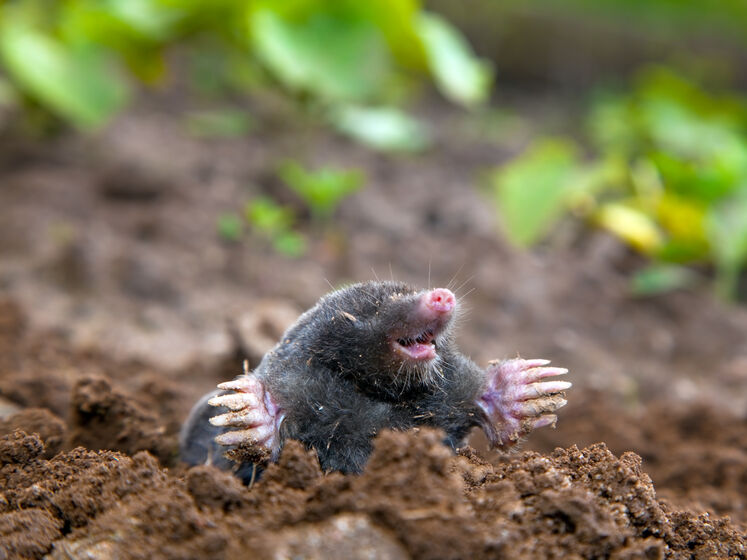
pixel 335 58
pixel 122 24
pixel 137 30
pixel 217 72
pixel 677 129
pixel 661 278
pixel 7 93
pixel 683 218
pixel 274 222
pixel 334 52
pixel 219 123
pixel 268 217
pixel 531 191
pixel 589 181
pixel 727 231
pixel 397 21
pixel 458 73
pixel 290 244
pixel 381 128
pixel 322 190
pixel 674 250
pixel 229 227
pixel 151 18
pixel 611 126
pixel 77 84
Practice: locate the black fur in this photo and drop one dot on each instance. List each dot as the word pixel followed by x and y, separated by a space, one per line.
pixel 339 382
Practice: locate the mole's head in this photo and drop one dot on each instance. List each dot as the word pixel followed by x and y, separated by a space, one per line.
pixel 386 333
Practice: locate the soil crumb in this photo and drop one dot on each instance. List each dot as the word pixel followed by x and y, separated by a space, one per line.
pixel 695 453
pixel 105 418
pixel 40 421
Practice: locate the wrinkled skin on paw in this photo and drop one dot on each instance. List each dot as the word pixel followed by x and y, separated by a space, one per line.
pixel 251 409
pixel 517 400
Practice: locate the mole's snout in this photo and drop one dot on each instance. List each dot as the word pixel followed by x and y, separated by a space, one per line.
pixel 440 300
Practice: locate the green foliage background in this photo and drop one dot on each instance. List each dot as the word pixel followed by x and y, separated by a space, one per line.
pixel 77 57
pixel 667 174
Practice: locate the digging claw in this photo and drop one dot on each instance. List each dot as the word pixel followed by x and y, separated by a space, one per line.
pixel 546 420
pixel 251 408
pixel 257 436
pixel 235 401
pixel 239 419
pixel 543 389
pixel 515 400
pixel 244 383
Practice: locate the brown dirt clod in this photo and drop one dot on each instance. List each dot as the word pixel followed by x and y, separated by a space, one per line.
pixel 40 421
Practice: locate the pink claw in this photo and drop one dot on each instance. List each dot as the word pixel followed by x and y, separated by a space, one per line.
pixel 262 436
pixel 547 420
pixel 240 419
pixel 542 389
pixel 235 401
pixel 515 402
pixel 537 373
pixel 244 383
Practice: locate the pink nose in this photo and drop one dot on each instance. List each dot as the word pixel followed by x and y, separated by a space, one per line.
pixel 440 300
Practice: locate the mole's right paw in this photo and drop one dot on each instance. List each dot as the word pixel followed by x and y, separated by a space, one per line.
pixel 252 409
pixel 517 399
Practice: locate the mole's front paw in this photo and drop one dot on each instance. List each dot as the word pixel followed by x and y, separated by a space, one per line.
pixel 516 400
pixel 252 409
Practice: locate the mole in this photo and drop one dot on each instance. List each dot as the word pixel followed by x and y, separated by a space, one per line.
pixel 367 357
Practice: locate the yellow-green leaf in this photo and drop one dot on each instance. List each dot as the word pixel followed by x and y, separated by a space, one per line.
pixel 630 224
pixel 684 219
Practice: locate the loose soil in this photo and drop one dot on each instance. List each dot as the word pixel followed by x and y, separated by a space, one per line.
pixel 120 305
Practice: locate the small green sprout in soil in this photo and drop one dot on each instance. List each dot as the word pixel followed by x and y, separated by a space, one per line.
pixel 322 190
pixel 275 223
pixel 229 227
pixel 220 123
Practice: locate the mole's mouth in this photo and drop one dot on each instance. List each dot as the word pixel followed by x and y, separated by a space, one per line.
pixel 429 314
pixel 420 347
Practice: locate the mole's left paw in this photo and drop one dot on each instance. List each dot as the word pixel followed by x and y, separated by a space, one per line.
pixel 251 408
pixel 516 400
